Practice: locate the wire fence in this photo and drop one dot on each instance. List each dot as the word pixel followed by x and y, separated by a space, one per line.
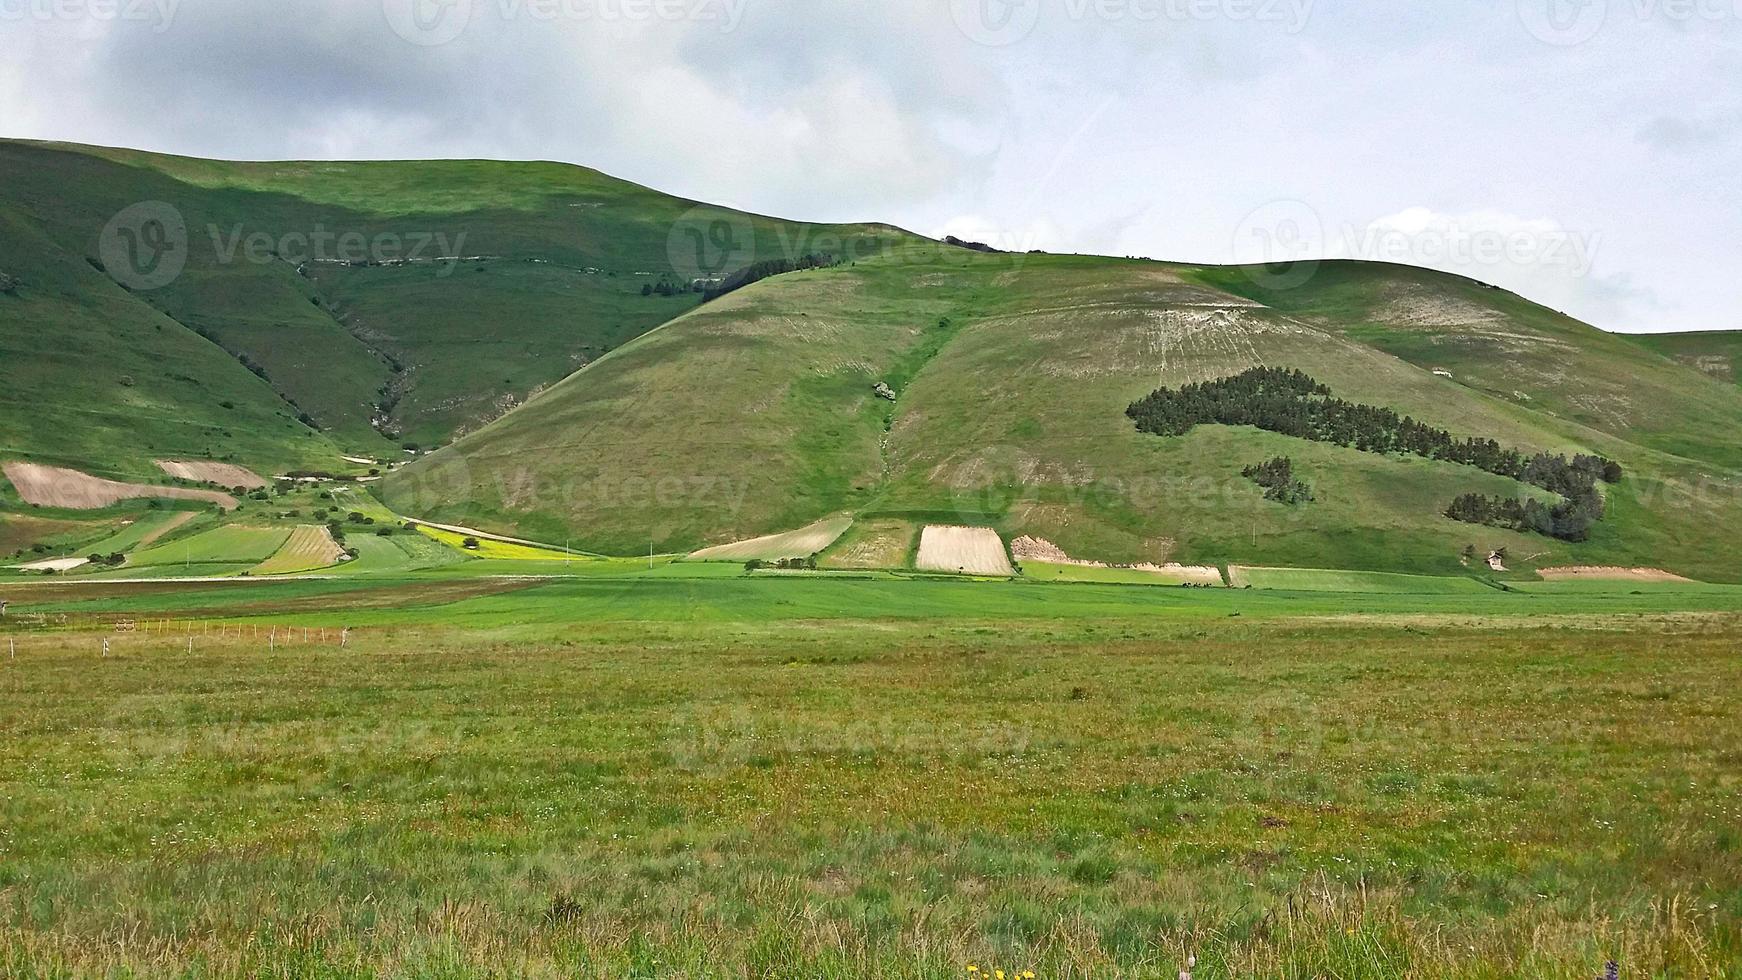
pixel 271 635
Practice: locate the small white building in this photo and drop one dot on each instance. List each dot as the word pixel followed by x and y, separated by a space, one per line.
pixel 1442 373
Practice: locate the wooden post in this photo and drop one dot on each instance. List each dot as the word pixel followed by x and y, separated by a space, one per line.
pixel 12 645
pixel 272 640
pixel 105 646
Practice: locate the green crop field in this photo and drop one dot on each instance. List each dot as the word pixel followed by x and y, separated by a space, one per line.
pixel 693 772
pixel 232 544
pixel 249 751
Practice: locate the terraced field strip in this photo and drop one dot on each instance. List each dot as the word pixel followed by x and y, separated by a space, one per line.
pixel 1042 571
pixel 802 543
pixel 206 471
pixel 489 547
pixel 141 533
pixel 967 550
pixel 1331 580
pixel 1609 574
pixel 234 545
pixel 875 543
pixel 310 546
pixel 56 486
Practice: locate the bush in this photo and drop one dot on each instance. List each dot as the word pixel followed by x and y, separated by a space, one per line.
pixel 1277 477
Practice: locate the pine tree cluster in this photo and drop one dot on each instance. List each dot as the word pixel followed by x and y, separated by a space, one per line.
pixel 1276 476
pixel 1288 402
pixel 768 267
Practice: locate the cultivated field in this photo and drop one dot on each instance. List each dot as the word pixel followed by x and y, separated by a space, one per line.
pixel 55 486
pixel 206 471
pixel 969 550
pixel 1331 580
pixel 309 547
pixel 875 543
pixel 141 532
pixel 235 545
pixel 1609 573
pixel 802 543
pixel 664 778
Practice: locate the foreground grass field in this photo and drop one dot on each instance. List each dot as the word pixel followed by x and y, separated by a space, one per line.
pixel 680 773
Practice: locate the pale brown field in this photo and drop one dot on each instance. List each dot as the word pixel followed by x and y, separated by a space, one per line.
pixel 55 486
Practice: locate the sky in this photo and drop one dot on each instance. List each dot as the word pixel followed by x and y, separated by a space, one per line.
pixel 1586 153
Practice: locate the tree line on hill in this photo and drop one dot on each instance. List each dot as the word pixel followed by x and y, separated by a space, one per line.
pixel 716 288
pixel 764 269
pixel 1289 402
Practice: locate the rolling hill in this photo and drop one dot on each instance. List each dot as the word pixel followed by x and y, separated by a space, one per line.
pixel 628 371
pixel 334 306
pixel 756 414
pixel 1717 353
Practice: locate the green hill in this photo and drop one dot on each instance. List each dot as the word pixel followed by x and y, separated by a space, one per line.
pixel 757 413
pixel 379 302
pixel 551 319
pixel 1717 353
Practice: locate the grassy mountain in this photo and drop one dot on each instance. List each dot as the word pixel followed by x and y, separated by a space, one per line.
pixel 1717 353
pixel 1012 373
pixel 551 319
pixel 380 302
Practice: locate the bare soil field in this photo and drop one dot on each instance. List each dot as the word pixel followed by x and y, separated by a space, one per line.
pixel 54 565
pixel 205 471
pixel 1609 573
pixel 969 550
pixel 802 543
pixel 1028 549
pixel 54 486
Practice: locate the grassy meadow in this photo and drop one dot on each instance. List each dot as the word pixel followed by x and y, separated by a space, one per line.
pixel 685 773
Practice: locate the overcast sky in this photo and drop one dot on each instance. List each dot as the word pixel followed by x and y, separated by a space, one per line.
pixel 1587 153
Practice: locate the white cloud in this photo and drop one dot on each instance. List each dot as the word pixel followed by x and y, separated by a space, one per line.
pixel 1099 130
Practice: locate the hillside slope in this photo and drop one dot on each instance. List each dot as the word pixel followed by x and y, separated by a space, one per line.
pixel 92 377
pixel 757 414
pixel 390 301
pixel 1716 353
